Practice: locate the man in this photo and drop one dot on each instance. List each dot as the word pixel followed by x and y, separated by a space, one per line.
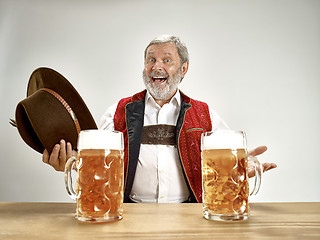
pixel 162 129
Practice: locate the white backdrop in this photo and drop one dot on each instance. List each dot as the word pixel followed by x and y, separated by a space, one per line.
pixel 257 63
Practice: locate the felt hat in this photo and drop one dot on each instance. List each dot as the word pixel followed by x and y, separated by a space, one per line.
pixel 53 110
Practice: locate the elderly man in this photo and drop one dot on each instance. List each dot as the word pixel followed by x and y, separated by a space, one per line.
pixel 162 129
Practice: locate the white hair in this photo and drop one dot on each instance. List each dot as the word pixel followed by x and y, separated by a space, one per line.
pixel 181 47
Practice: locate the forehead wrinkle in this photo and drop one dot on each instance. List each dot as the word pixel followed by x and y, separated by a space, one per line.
pixel 165 54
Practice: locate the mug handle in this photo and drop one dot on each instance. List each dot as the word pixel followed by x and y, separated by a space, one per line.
pixel 258 174
pixel 68 178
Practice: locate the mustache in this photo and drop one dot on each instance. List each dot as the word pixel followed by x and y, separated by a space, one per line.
pixel 158 74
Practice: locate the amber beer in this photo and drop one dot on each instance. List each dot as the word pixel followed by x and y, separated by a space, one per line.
pixel 100 184
pixel 224 176
pixel 225 181
pixel 99 190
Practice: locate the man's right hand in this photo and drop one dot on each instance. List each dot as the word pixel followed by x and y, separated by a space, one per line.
pixel 59 156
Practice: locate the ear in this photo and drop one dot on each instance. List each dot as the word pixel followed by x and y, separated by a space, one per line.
pixel 184 68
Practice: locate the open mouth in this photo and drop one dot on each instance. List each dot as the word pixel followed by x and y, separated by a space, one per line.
pixel 159 79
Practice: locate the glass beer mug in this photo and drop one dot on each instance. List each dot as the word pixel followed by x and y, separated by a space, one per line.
pixel 99 188
pixel 225 186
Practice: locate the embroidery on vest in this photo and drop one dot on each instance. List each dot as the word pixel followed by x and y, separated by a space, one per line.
pixel 194 129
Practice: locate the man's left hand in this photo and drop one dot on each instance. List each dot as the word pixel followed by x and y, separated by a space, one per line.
pixel 266 166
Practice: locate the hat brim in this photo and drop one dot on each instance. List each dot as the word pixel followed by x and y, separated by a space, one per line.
pixel 42 120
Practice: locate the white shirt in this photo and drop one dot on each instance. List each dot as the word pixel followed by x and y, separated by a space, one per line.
pixel 159 175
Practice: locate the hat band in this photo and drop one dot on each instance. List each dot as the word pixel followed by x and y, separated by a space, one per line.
pixel 67 107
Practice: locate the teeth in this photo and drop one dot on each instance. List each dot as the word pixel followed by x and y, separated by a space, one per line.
pixel 159 79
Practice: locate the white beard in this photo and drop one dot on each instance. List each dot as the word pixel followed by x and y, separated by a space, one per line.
pixel 159 93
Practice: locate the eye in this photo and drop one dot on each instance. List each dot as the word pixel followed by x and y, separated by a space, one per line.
pixel 167 60
pixel 152 60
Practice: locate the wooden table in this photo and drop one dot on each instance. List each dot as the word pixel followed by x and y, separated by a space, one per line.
pixel 159 221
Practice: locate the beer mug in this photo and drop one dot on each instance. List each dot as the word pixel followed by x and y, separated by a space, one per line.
pixel 225 185
pixel 99 188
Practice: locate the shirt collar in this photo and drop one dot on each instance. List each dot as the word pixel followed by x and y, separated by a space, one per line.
pixel 175 99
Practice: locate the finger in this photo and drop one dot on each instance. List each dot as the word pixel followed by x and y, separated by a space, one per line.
pixel 69 150
pixel 45 156
pixel 63 152
pixel 54 157
pixel 268 166
pixel 258 151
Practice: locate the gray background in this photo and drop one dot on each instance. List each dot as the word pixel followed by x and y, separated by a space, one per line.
pixel 255 62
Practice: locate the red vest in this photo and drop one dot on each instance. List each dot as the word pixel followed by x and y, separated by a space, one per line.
pixel 194 119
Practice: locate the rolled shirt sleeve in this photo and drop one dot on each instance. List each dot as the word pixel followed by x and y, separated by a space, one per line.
pixel 107 118
pixel 217 122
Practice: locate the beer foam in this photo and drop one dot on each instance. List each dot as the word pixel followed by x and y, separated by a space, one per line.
pixel 223 139
pixel 100 139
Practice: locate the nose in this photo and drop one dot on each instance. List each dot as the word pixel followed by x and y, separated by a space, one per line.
pixel 158 66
